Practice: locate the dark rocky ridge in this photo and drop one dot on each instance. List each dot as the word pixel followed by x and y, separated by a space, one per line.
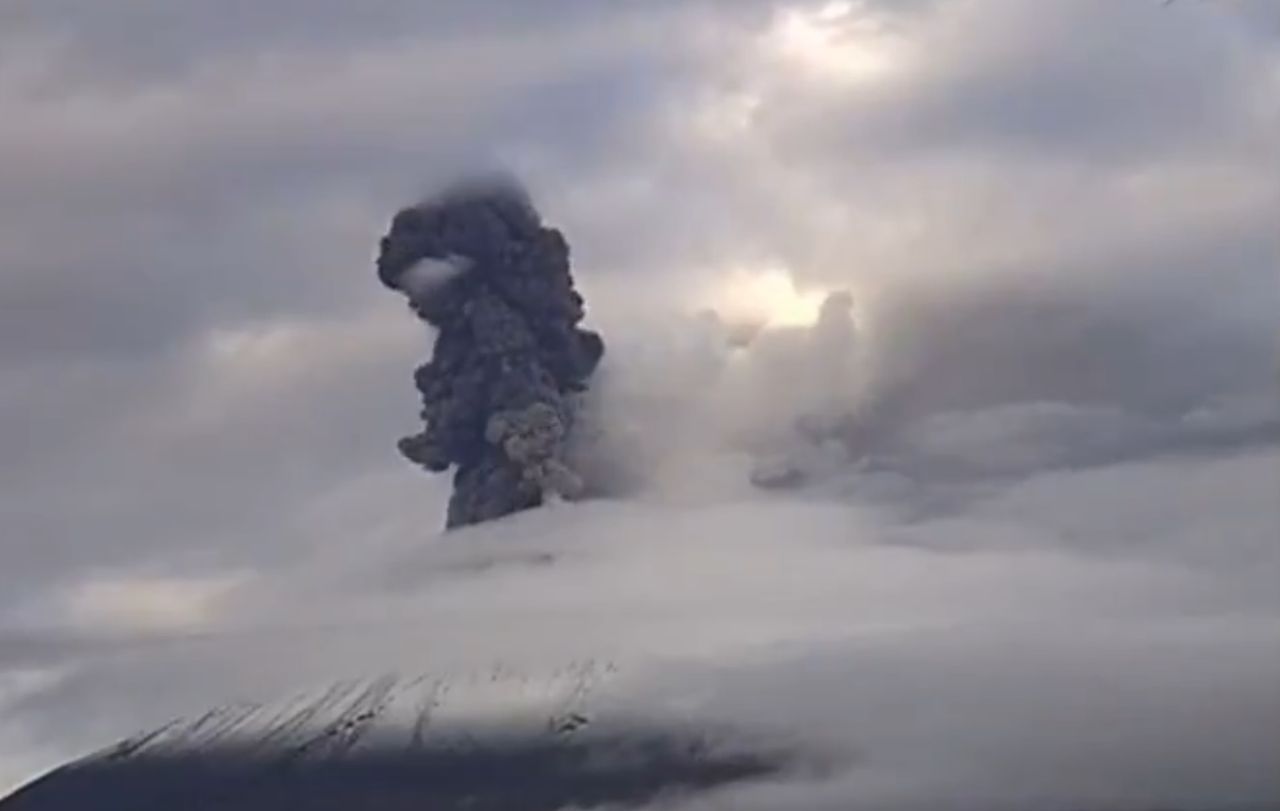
pixel 498 395
pixel 515 774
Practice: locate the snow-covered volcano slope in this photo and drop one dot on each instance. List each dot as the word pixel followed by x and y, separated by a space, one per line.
pixel 499 742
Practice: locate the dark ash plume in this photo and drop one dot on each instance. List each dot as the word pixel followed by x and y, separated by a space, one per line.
pixel 498 394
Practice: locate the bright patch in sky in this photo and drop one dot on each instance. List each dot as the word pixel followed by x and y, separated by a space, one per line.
pixel 764 297
pixel 836 41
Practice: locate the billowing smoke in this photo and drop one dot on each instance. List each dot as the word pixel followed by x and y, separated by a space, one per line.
pixel 498 395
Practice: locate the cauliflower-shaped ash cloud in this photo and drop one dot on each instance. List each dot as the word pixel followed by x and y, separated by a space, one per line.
pixel 499 392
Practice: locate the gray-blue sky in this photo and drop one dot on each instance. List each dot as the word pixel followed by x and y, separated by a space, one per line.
pixel 1057 221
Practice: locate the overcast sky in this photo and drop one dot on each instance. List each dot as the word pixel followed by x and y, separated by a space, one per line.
pixel 1057 223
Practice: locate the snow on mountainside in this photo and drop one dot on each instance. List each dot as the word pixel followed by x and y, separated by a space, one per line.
pixel 499 740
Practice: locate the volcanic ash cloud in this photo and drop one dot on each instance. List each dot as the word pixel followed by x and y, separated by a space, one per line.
pixel 498 395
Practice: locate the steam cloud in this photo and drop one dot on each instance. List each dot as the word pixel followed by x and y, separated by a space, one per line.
pixel 499 393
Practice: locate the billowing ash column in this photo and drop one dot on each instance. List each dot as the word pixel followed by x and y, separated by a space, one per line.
pixel 498 394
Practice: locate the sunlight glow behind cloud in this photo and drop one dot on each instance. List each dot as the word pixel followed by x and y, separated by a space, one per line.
pixel 767 297
pixel 838 41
